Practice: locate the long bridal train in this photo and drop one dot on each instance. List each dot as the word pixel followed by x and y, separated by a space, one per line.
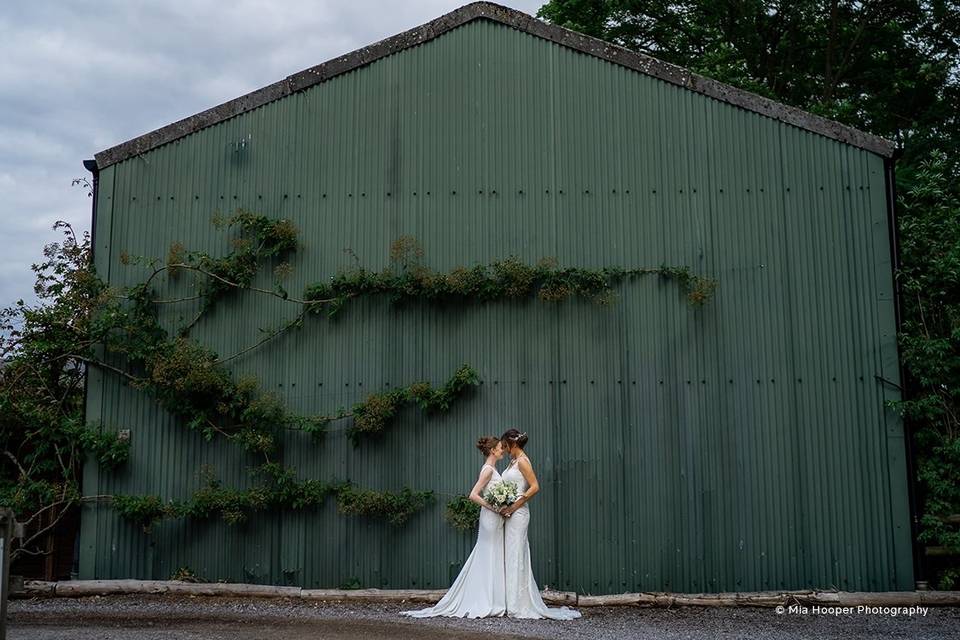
pixel 478 590
pixel 497 577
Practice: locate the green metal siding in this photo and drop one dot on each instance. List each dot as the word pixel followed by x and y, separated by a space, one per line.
pixel 740 446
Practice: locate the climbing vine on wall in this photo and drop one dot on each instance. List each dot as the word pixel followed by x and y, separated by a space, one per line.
pixel 280 491
pixel 373 414
pixel 407 279
pixel 462 513
pixel 120 333
pixel 189 380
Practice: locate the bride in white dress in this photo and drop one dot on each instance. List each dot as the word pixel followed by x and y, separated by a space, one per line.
pixel 523 599
pixel 478 591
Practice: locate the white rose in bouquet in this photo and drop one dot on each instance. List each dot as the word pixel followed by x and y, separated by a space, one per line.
pixel 501 493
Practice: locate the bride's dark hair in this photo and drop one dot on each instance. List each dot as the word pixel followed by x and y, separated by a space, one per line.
pixel 486 444
pixel 513 436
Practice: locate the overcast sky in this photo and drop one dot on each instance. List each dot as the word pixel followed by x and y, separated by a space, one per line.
pixel 79 76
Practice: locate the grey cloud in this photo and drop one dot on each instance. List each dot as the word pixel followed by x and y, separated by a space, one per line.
pixel 80 76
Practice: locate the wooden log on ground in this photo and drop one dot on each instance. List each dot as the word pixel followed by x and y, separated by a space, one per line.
pixel 36 588
pixel 609 600
pixel 232 589
pixel 664 599
pixel 657 599
pixel 376 595
pixel 431 597
pixel 883 599
pixel 771 598
pixel 940 598
pixel 650 598
pixel 559 597
pixel 826 597
pixel 79 588
pixel 829 598
pixel 706 599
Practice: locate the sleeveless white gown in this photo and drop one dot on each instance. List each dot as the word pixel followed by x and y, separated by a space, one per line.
pixel 478 591
pixel 522 595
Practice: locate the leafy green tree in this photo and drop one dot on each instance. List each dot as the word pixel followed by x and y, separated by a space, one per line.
pixel 44 350
pixel 930 348
pixel 890 68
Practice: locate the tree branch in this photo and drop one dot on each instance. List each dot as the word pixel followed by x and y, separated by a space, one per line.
pixel 16 462
pixel 265 339
pixel 106 366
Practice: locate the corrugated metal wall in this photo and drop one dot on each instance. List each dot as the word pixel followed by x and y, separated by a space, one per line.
pixel 739 446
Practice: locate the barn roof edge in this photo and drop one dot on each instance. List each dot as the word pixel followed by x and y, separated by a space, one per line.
pixel 517 19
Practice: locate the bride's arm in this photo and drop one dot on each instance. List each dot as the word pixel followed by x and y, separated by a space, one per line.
pixel 481 483
pixel 527 470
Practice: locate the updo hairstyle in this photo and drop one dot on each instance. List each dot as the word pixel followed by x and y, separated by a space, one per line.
pixel 515 437
pixel 486 444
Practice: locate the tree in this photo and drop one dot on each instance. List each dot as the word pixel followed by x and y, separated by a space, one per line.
pixel 43 354
pixel 890 68
pixel 930 348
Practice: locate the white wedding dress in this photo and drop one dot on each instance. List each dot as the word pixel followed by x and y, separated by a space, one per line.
pixel 478 591
pixel 522 595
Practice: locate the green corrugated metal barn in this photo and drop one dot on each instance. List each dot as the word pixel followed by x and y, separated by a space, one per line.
pixel 741 445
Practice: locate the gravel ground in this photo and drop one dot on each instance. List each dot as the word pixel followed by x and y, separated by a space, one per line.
pixel 167 617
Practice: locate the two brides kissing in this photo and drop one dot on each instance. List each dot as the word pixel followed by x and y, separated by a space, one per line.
pixel 497 578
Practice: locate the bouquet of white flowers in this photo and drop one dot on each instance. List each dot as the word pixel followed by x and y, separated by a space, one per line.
pixel 501 493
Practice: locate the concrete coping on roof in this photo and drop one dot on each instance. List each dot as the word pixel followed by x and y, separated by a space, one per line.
pixel 518 20
pixel 81 588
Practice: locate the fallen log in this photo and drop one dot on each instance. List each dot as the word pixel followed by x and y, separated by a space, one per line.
pixel 559 597
pixel 891 598
pixel 775 598
pixel 610 600
pixel 80 588
pixel 939 598
pixel 35 588
pixel 376 595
